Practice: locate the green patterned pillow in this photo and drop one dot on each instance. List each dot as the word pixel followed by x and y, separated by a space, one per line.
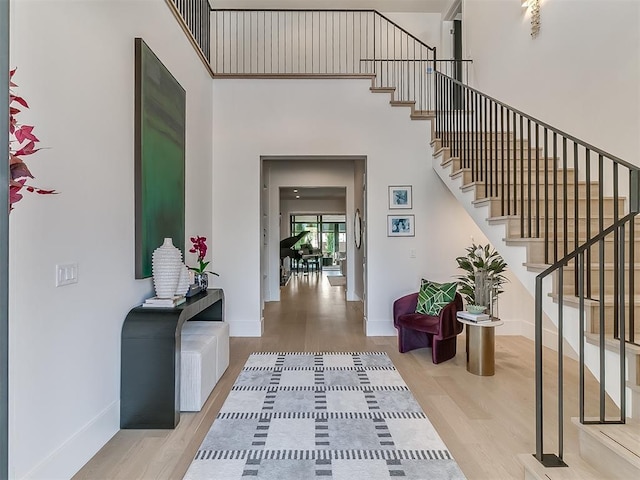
pixel 433 296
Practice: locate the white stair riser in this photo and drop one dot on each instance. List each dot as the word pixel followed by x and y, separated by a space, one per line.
pixel 613 466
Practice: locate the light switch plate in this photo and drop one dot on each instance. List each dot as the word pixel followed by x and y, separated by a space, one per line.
pixel 66 274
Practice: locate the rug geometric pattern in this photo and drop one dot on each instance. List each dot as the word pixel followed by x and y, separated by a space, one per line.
pixel 298 416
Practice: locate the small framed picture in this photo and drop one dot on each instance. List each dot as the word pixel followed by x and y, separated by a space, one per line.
pixel 400 225
pixel 400 196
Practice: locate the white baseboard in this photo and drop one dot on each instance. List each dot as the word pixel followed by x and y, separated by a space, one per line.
pixel 510 327
pixel 380 328
pixel 352 296
pixel 549 339
pixel 246 328
pixel 76 451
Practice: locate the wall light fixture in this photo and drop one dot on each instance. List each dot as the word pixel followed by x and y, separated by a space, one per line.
pixel 534 5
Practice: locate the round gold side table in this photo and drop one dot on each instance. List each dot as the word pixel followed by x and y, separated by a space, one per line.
pixel 481 346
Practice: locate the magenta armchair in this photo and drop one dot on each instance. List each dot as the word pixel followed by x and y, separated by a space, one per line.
pixel 416 330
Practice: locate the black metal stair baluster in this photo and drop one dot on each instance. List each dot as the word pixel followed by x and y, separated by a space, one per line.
pixel 500 177
pixel 522 216
pixel 484 143
pixel 632 275
pixel 622 344
pixel 588 216
pixel 555 198
pixel 546 198
pixel 581 315
pixel 537 172
pixel 491 156
pixel 617 305
pixel 529 219
pixel 494 136
pixel 576 203
pixel 601 323
pixel 507 174
pixel 560 346
pixel 565 196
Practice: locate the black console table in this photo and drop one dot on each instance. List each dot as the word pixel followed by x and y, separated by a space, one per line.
pixel 150 359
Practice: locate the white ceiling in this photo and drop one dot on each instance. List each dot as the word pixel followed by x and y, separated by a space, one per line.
pixel 426 6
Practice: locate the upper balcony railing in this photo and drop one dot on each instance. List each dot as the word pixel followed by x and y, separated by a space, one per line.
pixel 310 42
pixel 328 44
pixel 195 18
pixel 240 43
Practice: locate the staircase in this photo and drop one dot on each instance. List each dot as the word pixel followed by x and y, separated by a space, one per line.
pixel 552 206
pixel 560 211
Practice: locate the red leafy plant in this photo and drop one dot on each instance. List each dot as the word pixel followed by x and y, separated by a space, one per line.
pixel 22 142
pixel 200 249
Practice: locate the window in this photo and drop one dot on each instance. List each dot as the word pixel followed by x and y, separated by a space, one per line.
pixel 326 232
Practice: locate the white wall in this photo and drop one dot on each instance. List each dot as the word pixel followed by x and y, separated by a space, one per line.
pixel 446 39
pixel 255 118
pixel 424 26
pixel 75 67
pixel 359 254
pixel 581 73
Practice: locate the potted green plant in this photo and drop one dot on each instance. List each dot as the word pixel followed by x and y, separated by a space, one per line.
pixel 483 276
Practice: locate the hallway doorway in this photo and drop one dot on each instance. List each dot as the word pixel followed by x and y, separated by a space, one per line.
pixel 320 195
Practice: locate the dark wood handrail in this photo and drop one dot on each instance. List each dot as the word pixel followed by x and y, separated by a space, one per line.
pixel 568 136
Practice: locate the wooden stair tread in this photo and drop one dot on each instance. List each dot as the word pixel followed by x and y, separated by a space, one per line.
pixel 613 345
pixel 480 183
pixel 402 103
pixel 498 199
pixel 516 216
pixel 423 115
pixel 382 89
pixel 515 240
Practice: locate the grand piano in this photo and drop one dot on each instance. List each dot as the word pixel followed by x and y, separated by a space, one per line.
pixel 306 255
pixel 286 246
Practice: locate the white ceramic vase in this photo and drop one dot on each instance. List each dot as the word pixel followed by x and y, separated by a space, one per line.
pixel 166 264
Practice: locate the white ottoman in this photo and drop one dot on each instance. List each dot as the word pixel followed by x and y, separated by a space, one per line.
pixel 195 366
pixel 198 373
pixel 220 330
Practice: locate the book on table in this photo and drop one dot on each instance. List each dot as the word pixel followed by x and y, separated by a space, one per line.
pixel 474 317
pixel 164 302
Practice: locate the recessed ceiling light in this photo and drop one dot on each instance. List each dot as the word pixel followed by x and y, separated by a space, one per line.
pixel 295 190
pixel 297 196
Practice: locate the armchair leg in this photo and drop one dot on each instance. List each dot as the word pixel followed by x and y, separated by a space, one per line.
pixel 443 350
pixel 412 339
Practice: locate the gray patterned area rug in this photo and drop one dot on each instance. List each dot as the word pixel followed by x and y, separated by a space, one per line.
pixel 299 416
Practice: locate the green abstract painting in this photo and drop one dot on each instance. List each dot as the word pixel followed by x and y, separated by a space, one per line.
pixel 160 123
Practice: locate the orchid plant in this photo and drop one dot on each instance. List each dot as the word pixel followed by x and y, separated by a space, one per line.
pixel 22 142
pixel 200 249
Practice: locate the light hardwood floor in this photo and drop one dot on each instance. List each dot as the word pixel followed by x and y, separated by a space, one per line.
pixel 485 421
